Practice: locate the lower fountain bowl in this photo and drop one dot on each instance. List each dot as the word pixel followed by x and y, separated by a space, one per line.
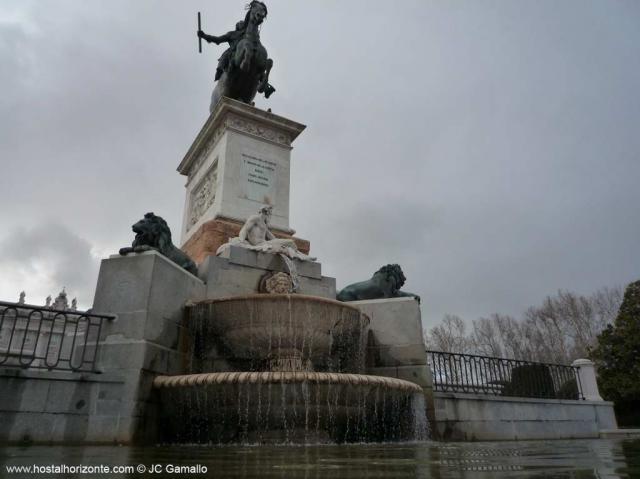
pixel 289 407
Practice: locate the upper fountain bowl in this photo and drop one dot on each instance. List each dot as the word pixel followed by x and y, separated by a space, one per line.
pixel 281 332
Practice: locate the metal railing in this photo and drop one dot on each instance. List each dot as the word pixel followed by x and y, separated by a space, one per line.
pixel 469 373
pixel 43 338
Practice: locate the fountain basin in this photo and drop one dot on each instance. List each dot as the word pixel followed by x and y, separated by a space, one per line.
pixel 302 407
pixel 281 332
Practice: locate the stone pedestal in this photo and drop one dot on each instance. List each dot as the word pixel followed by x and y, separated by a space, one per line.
pixel 396 344
pixel 238 163
pixel 213 234
pixel 239 272
pixel 148 293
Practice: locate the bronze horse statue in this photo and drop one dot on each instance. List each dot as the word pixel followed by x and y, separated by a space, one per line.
pixel 243 69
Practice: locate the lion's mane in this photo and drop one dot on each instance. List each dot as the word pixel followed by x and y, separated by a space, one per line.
pixel 153 233
pixel 393 271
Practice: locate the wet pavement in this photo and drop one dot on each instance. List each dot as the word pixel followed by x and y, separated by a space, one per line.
pixel 603 458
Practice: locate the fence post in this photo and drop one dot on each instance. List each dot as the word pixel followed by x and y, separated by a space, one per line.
pixel 587 376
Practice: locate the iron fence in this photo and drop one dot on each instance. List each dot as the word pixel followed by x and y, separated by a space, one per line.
pixel 43 338
pixel 469 373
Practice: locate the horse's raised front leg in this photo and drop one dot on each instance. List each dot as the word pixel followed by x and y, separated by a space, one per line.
pixel 268 69
pixel 264 86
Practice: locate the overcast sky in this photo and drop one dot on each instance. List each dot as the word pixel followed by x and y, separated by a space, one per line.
pixel 489 147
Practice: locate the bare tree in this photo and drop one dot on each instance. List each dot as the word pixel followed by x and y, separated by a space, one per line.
pixel 563 328
pixel 567 323
pixel 485 337
pixel 449 336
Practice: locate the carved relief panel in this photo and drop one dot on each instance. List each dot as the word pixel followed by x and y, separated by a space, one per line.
pixel 203 194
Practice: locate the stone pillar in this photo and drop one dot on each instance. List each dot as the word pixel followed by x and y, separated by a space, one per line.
pixel 239 162
pixel 148 293
pixel 587 376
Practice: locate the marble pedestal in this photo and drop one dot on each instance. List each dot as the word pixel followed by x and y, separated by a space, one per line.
pixel 239 162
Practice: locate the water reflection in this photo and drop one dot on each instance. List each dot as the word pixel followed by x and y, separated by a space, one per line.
pixel 582 459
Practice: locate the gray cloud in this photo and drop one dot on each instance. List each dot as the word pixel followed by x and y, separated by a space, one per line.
pixel 489 147
pixel 44 259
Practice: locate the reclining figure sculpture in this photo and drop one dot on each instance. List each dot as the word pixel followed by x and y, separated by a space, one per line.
pixel 255 236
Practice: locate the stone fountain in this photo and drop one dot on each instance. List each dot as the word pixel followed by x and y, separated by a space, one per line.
pixel 250 344
pixel 272 356
pixel 293 374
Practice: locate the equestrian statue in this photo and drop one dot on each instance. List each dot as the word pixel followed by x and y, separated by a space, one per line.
pixel 243 69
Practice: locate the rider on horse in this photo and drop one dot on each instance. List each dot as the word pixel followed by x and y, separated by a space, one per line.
pixel 245 62
pixel 232 38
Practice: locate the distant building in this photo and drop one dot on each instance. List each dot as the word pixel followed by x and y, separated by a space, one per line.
pixel 36 336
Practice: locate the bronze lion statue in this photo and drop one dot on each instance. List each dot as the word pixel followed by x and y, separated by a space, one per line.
pixel 385 283
pixel 153 233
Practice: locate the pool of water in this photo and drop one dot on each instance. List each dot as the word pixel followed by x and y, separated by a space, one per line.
pixel 603 458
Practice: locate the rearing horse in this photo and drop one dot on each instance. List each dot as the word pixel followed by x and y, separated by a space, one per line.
pixel 247 70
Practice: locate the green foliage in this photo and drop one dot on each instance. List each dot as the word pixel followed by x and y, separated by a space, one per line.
pixel 617 353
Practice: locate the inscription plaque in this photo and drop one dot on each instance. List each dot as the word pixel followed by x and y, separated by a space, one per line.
pixel 259 179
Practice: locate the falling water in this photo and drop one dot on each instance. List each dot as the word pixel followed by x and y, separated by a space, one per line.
pixel 284 368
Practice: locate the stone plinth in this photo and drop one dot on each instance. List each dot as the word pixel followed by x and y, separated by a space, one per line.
pixel 213 234
pixel 240 270
pixel 238 163
pixel 396 345
pixel 148 293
